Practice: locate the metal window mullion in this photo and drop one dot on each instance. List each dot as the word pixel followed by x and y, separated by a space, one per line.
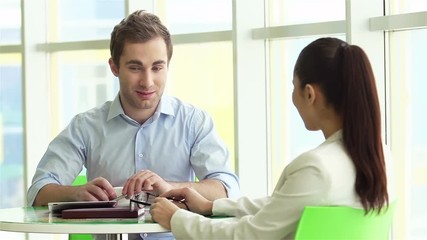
pixel 105 44
pixel 250 98
pixel 36 86
pixel 399 22
pixel 300 30
pixel 11 49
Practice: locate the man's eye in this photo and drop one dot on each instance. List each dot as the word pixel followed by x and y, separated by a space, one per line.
pixel 134 68
pixel 157 68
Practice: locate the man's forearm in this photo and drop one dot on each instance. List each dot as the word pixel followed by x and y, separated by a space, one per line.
pixel 53 193
pixel 211 189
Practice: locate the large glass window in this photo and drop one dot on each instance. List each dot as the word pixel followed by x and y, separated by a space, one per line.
pixel 11 135
pixel 408 132
pixel 11 113
pixel 11 109
pixel 408 6
pixel 76 20
pixel 10 22
pixel 191 16
pixel 305 11
pixel 202 75
pixel 80 84
pixel 11 132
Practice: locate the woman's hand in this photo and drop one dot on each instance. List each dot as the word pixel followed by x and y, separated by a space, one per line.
pixel 162 211
pixel 165 206
pixel 194 201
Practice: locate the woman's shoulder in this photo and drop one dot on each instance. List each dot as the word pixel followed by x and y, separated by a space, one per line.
pixel 327 154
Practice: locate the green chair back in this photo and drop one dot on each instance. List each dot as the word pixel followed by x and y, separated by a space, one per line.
pixel 80 180
pixel 339 222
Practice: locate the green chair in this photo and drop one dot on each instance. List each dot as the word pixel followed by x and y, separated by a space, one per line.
pixel 339 222
pixel 80 180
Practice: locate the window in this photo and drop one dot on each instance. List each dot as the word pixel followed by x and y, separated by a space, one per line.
pixel 202 75
pixel 192 16
pixel 11 111
pixel 11 108
pixel 408 131
pixel 76 20
pixel 291 12
pixel 10 25
pixel 407 6
pixel 81 74
pixel 11 132
pixel 201 69
pixel 80 83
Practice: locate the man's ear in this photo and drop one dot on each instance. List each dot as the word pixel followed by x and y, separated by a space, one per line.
pixel 114 68
pixel 309 93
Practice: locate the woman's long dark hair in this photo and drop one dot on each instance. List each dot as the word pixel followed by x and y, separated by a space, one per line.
pixel 344 74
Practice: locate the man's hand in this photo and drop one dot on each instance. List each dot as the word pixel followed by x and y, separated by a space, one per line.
pixel 99 189
pixel 146 180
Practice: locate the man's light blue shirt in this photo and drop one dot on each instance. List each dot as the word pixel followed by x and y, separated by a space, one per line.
pixel 178 142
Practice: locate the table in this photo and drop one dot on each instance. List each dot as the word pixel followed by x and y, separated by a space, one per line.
pixel 40 220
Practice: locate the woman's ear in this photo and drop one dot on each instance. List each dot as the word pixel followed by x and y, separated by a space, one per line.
pixel 114 68
pixel 309 93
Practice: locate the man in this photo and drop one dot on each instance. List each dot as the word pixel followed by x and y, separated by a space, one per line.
pixel 143 140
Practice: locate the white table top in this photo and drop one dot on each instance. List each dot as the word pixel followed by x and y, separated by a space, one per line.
pixel 40 220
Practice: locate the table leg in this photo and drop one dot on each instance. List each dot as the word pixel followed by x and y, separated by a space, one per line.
pixel 114 237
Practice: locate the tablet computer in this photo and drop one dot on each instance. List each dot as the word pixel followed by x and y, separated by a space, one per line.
pixel 57 207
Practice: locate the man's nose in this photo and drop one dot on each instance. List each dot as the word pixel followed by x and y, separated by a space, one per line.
pixel 146 79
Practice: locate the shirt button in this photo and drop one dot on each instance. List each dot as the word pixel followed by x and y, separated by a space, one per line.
pixel 140 155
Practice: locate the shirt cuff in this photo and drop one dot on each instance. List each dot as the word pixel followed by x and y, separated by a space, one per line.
pixel 230 183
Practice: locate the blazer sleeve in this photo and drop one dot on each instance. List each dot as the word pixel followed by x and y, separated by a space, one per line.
pixel 301 184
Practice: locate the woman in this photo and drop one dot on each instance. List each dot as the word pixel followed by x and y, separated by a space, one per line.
pixel 335 92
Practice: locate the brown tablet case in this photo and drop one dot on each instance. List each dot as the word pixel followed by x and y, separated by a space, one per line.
pixel 115 212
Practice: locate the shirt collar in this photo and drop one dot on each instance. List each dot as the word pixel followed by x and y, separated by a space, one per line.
pixel 165 107
pixel 335 136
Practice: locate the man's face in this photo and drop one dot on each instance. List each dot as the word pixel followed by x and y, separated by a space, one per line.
pixel 142 74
